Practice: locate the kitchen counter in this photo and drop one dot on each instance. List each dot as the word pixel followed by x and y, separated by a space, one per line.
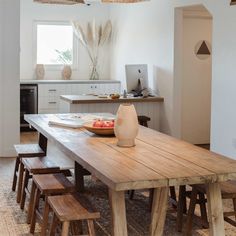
pixel 86 99
pixel 149 107
pixel 34 81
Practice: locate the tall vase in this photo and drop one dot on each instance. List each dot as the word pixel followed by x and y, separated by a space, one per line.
pixel 94 73
pixel 126 125
pixel 39 71
pixel 66 72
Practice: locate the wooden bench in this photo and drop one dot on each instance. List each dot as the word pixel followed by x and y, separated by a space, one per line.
pixel 45 185
pixel 23 151
pixel 67 208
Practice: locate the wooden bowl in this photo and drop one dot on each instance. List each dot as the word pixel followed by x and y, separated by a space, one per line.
pixel 114 96
pixel 99 130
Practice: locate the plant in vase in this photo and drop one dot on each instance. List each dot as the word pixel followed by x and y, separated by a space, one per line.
pixel 93 39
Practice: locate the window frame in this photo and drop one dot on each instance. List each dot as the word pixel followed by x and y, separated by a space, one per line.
pixel 54 67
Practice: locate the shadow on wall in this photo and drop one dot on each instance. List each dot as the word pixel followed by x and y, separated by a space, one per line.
pixel 161 89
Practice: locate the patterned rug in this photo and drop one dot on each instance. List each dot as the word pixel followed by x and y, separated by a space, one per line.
pixel 12 220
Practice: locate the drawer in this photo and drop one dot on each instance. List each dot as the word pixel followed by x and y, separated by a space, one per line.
pixel 52 90
pixel 48 103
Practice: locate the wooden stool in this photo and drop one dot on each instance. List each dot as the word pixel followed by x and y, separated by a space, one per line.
pixel 23 150
pixel 182 206
pixel 45 185
pixel 67 208
pixel 143 120
pixel 34 166
pixel 228 191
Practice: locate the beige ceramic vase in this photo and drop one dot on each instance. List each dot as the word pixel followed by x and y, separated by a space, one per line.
pixel 39 71
pixel 126 125
pixel 66 72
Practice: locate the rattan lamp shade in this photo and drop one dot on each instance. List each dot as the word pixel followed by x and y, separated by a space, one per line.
pixel 70 2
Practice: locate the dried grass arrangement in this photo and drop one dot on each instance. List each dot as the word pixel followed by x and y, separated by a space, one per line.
pixel 93 39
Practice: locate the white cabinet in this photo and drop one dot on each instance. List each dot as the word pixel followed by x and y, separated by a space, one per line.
pixel 49 94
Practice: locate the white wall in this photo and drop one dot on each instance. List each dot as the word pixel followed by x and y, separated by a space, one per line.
pixel 196 81
pixel 31 12
pixel 9 75
pixel 146 35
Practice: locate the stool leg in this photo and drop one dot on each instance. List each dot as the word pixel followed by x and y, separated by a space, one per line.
pixel 181 207
pixel 76 227
pixel 65 228
pixel 53 224
pixel 17 163
pixel 151 193
pixel 191 210
pixel 203 210
pixel 35 207
pixel 31 203
pixel 173 195
pixel 19 188
pixel 131 194
pixel 45 218
pixel 91 228
pixel 25 185
pixel 234 204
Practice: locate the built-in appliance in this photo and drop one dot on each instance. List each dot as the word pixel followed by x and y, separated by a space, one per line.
pixel 28 103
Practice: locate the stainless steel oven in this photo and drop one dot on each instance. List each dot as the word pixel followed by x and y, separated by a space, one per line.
pixel 28 103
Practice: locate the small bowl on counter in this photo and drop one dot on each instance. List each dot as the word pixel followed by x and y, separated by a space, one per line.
pixel 115 96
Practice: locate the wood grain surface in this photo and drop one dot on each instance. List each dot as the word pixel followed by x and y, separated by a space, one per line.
pixel 157 161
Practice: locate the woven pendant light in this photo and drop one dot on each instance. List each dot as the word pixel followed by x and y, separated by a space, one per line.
pixel 70 2
pixel 233 2
pixel 64 2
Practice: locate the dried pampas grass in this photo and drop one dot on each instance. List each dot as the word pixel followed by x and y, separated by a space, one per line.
pixel 94 38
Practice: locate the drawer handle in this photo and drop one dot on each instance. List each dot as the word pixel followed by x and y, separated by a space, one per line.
pixel 52 90
pixel 52 102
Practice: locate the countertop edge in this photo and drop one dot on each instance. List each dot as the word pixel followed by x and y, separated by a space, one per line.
pixel 107 100
pixel 69 82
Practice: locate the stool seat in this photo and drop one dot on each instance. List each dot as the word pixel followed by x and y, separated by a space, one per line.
pixel 29 150
pixel 34 166
pixel 40 165
pixel 228 189
pixel 24 150
pixel 45 185
pixel 143 120
pixel 68 208
pixel 53 183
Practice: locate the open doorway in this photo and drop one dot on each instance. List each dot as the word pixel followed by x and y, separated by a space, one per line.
pixel 193 74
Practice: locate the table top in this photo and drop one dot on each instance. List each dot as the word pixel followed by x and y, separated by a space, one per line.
pixel 157 160
pixel 85 99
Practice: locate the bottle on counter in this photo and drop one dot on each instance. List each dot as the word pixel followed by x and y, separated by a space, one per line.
pixel 124 94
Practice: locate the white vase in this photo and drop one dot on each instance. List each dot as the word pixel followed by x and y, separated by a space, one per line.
pixel 66 72
pixel 39 71
pixel 126 125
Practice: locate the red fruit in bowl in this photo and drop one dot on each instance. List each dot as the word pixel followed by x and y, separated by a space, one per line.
pixel 98 123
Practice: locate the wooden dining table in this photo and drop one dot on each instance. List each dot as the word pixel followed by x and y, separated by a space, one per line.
pixel 157 161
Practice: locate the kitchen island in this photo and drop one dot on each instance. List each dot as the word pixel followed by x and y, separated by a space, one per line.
pixel 149 106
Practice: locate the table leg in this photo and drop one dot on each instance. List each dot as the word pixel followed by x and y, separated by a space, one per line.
pixel 79 177
pixel 118 212
pixel 159 208
pixel 215 210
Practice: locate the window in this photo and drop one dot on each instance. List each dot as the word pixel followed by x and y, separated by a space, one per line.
pixel 55 44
